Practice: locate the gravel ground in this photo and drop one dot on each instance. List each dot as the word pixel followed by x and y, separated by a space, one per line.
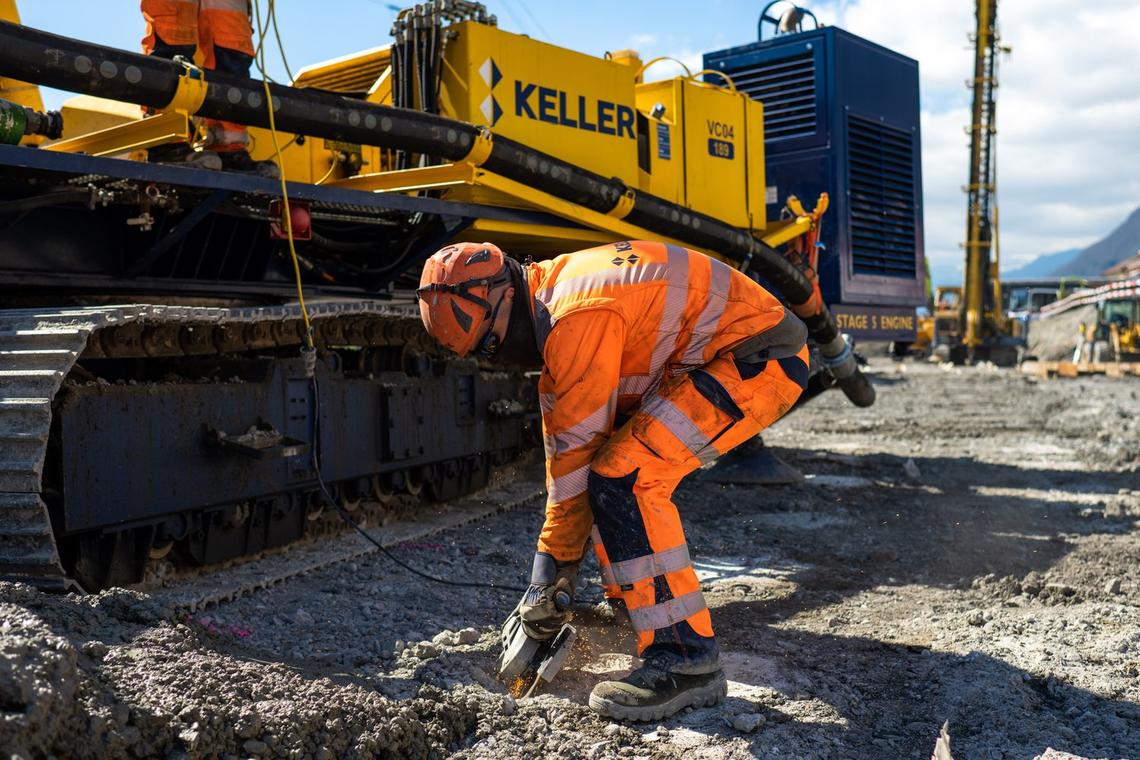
pixel 967 550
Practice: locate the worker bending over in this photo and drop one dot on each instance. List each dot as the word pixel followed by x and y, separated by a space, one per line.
pixel 656 360
pixel 221 32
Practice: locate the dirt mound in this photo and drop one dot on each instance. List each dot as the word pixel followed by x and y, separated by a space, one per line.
pixel 80 679
pixel 1055 338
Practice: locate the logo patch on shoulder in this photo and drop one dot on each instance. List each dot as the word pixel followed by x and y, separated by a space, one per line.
pixel 631 259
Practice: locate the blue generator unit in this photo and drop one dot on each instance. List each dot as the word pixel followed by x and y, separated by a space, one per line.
pixel 841 114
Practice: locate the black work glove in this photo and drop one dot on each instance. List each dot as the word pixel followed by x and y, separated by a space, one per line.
pixel 545 606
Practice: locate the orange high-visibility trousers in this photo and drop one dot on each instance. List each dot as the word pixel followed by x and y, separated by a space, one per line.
pixel 219 31
pixel 689 421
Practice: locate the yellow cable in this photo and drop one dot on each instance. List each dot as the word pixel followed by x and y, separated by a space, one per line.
pixel 288 217
pixel 335 163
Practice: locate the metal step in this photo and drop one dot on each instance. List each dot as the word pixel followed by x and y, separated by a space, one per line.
pixel 20 514
pixel 21 476
pixel 21 415
pixel 35 358
pixel 30 383
pixel 32 339
pixel 23 525
pixel 27 549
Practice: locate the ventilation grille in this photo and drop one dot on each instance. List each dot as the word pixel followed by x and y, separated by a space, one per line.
pixel 787 90
pixel 880 170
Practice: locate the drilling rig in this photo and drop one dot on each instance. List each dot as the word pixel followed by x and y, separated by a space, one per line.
pixel 986 332
pixel 157 398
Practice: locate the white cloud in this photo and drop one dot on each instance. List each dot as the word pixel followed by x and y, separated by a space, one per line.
pixel 1068 144
pixel 692 60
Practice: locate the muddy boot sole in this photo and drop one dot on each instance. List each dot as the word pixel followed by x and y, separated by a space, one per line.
pixel 710 694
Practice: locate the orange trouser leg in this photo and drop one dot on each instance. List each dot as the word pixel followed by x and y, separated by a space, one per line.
pixel 226 42
pixel 689 421
pixel 219 34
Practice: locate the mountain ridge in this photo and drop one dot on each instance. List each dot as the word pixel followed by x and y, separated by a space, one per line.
pixel 1090 261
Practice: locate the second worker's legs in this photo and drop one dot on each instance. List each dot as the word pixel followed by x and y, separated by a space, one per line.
pixel 227 45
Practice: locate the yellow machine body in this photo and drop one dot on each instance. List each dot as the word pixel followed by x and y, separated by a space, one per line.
pixel 706 151
pixel 698 144
pixel 574 106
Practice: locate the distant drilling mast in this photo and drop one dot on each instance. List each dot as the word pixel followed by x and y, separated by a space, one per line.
pixel 981 289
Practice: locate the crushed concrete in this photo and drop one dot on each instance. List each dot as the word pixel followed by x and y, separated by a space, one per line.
pixel 994 584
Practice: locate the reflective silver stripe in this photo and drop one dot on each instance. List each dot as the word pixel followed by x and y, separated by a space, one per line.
pixel 719 281
pixel 569 485
pixel 633 385
pixel 676 422
pixel 667 613
pixel 606 571
pixel 237 6
pixel 707 454
pixel 676 294
pixel 651 565
pixel 598 421
pixel 624 274
pixel 546 402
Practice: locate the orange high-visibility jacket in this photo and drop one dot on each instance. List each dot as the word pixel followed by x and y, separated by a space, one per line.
pixel 204 23
pixel 612 322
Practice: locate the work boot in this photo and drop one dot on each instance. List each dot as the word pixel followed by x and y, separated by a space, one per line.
pixel 181 154
pixel 241 161
pixel 653 692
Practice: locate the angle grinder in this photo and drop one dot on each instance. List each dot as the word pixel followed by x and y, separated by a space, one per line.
pixel 525 662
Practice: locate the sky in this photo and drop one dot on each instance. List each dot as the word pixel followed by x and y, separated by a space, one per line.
pixel 1068 102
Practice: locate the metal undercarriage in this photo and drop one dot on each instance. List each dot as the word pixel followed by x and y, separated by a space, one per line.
pixel 132 430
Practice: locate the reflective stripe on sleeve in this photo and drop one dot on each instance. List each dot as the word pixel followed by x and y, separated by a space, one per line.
pixel 569 485
pixel 676 295
pixel 705 327
pixel 546 402
pixel 651 565
pixel 667 613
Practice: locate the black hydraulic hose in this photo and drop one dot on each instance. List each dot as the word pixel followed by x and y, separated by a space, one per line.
pixel 33 202
pixel 541 171
pixel 32 55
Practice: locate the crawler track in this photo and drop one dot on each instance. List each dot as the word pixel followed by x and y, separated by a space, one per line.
pixel 43 351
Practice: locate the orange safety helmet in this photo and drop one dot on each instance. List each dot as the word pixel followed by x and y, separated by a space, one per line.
pixel 461 292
